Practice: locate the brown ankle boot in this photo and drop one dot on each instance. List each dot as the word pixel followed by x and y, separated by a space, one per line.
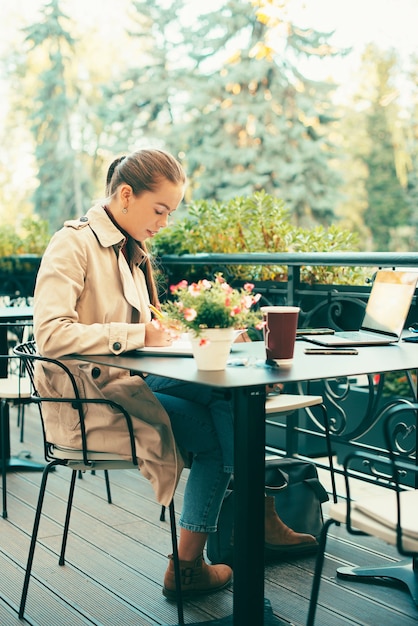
pixel 197 578
pixel 281 538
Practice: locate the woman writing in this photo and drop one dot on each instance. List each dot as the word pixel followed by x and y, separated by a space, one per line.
pixel 92 296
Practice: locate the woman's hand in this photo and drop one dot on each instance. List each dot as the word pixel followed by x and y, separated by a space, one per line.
pixel 158 335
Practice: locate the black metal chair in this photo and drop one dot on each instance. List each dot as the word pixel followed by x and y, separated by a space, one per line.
pixel 15 390
pixel 19 332
pixel 390 514
pixel 288 403
pixel 79 460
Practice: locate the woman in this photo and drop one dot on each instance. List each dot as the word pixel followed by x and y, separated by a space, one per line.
pixel 92 296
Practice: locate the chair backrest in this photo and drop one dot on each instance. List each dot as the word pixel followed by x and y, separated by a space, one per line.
pixel 29 355
pixel 23 350
pixel 397 473
pixel 18 331
pixel 12 333
pixel 401 438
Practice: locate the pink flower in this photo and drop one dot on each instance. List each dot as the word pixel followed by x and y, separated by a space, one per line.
pixel 248 287
pixel 247 301
pixel 181 285
pixel 227 288
pixel 189 314
pixel 235 311
pixel 195 289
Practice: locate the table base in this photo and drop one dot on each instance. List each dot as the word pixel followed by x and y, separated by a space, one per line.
pixel 15 464
pixel 269 619
pixel 402 571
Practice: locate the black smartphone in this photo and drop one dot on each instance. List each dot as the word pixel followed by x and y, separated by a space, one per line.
pixel 411 339
pixel 314 331
pixel 331 351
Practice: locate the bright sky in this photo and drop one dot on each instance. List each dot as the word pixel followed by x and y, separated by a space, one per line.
pixel 389 23
pixel 357 22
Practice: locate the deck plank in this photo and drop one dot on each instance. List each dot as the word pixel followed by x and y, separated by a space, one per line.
pixel 117 554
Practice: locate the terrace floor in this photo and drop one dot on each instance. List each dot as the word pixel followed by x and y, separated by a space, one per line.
pixel 116 558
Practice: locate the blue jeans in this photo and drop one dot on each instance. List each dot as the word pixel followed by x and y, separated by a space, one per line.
pixel 197 417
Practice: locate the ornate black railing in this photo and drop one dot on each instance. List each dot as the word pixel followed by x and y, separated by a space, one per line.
pixel 355 405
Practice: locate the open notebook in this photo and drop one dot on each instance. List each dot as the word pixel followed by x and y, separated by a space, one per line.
pixel 180 347
pixel 385 315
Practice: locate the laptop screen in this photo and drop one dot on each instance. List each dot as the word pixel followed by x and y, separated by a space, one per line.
pixel 389 301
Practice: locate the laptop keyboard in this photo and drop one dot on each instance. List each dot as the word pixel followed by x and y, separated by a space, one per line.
pixel 351 334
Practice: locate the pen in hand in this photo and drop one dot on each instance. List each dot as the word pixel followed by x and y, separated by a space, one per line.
pixel 158 314
pixel 165 322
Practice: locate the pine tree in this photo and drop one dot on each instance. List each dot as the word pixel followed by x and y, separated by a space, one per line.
pixel 254 122
pixel 388 209
pixel 64 189
pixel 137 106
pixel 409 157
pixel 243 123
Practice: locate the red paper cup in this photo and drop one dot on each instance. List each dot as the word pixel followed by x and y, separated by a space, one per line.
pixel 280 332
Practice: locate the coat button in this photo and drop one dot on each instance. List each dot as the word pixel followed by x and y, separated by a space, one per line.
pixel 117 345
pixel 95 372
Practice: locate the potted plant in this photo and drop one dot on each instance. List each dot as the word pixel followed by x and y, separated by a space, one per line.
pixel 212 312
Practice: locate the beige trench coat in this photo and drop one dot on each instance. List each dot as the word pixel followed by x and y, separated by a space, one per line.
pixel 88 301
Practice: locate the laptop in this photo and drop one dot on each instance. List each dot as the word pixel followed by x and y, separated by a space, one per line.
pixel 385 315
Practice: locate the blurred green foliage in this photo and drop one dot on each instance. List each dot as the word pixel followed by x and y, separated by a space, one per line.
pixel 257 223
pixel 397 384
pixel 31 238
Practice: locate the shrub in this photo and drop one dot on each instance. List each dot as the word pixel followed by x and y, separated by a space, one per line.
pixel 32 238
pixel 258 223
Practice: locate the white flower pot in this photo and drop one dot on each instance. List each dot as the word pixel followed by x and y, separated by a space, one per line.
pixel 212 347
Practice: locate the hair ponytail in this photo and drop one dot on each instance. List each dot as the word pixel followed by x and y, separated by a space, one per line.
pixel 111 171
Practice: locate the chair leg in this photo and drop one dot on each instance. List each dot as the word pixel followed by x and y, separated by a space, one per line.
pixel 21 419
pixel 3 434
pixel 318 572
pixel 179 597
pixel 107 481
pixel 34 537
pixel 67 517
pixel 329 452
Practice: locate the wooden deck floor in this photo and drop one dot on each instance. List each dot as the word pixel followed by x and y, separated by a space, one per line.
pixel 116 558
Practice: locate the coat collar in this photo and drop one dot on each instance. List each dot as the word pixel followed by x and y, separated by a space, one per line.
pixel 108 234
